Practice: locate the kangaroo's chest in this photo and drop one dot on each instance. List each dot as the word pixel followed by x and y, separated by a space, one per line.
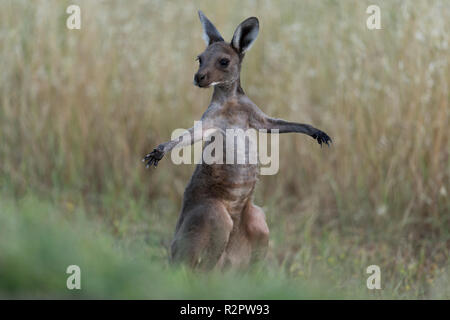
pixel 235 142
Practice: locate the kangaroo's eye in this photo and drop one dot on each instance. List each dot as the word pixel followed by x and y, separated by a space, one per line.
pixel 224 62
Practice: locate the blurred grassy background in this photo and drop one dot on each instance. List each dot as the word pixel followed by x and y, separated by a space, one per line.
pixel 79 109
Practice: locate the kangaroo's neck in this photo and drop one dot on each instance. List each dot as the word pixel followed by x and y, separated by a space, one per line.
pixel 226 91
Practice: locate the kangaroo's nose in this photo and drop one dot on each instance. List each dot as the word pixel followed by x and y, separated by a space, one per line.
pixel 199 77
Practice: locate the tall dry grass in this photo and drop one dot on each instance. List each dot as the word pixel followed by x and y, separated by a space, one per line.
pixel 79 109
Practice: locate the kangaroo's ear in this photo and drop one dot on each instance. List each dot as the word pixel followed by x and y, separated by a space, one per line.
pixel 210 33
pixel 245 35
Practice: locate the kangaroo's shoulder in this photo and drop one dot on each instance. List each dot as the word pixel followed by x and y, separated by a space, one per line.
pixel 248 104
pixel 255 114
pixel 238 107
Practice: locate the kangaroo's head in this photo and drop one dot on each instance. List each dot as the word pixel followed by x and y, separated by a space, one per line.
pixel 220 63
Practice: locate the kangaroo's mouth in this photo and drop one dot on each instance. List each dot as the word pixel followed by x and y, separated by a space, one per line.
pixel 206 85
pixel 196 83
pixel 202 84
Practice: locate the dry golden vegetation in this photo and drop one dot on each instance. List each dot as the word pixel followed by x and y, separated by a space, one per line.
pixel 79 109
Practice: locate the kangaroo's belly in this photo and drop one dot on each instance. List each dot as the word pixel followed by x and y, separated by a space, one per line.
pixel 233 185
pixel 229 170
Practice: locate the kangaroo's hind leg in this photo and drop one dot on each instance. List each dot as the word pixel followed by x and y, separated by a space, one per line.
pixel 257 231
pixel 202 235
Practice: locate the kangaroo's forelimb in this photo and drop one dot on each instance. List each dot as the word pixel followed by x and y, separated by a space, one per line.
pixel 191 136
pixel 284 126
pixel 259 120
pixel 158 153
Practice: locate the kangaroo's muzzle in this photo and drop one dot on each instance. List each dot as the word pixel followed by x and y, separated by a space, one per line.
pixel 201 80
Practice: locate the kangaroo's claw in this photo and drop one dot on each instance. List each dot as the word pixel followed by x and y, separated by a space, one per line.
pixel 322 138
pixel 153 157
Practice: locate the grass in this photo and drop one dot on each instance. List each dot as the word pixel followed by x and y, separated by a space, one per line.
pixel 42 240
pixel 78 110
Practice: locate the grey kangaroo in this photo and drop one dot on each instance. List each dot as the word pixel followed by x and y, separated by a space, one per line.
pixel 219 226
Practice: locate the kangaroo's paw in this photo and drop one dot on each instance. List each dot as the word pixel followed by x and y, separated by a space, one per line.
pixel 153 157
pixel 322 137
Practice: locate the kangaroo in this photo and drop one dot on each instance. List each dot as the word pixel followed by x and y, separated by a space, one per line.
pixel 219 226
